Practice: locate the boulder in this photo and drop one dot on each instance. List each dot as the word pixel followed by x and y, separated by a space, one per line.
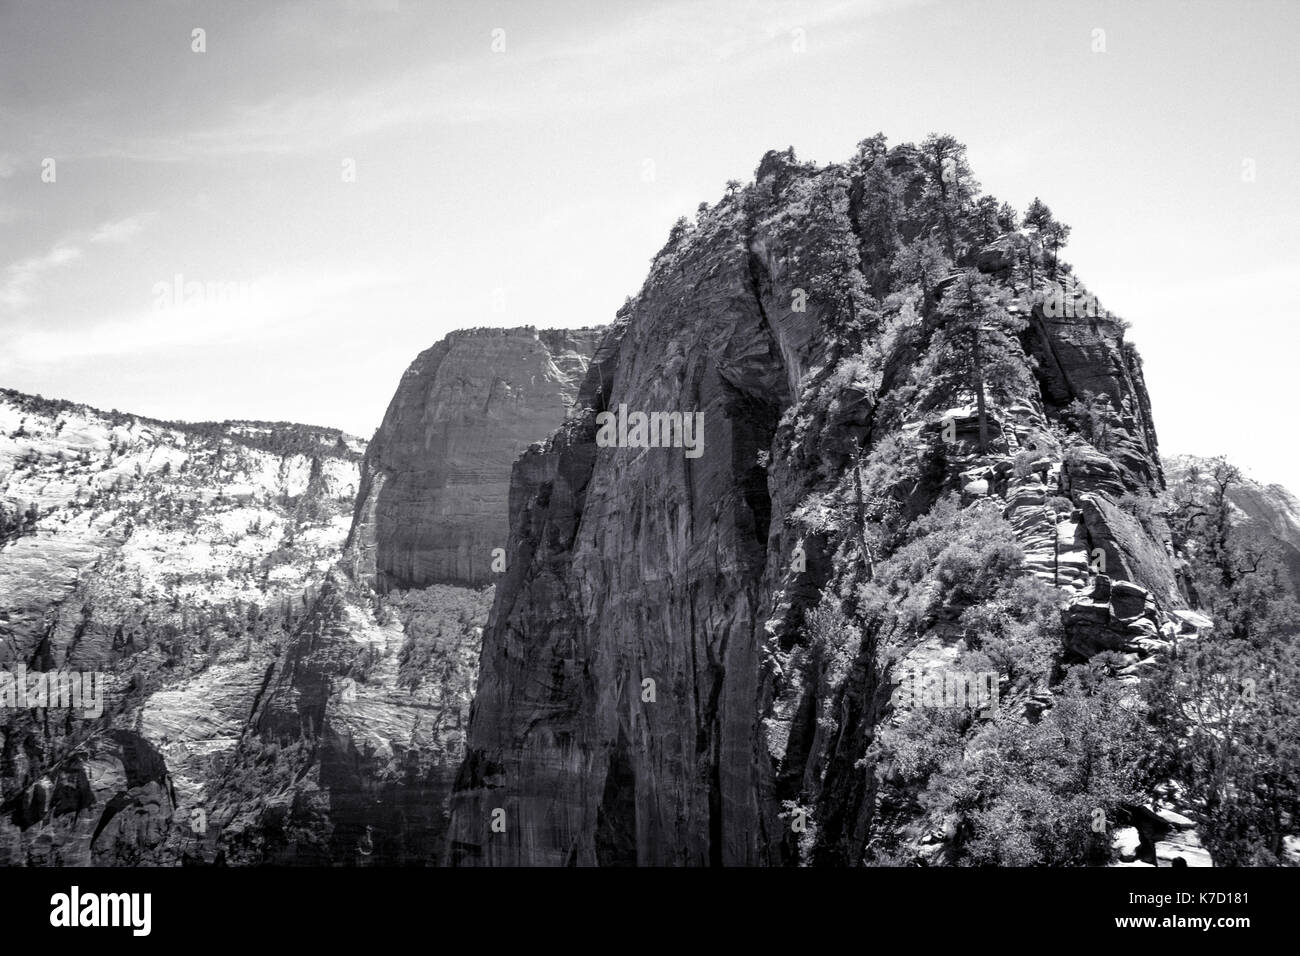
pixel 1125 842
pixel 1117 616
pixel 998 256
pixel 1128 551
pixel 1182 846
pixel 1128 600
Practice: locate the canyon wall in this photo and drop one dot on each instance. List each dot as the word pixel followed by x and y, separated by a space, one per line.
pixel 169 560
pixel 436 477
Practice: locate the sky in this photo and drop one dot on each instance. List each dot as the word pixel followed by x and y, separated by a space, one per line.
pixel 348 181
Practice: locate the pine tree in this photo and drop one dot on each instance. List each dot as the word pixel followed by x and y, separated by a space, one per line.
pixel 1007 217
pixel 880 215
pixel 1049 233
pixel 921 263
pixel 872 149
pixel 950 188
pixel 987 219
pixel 1057 236
pixel 979 336
pixel 1038 215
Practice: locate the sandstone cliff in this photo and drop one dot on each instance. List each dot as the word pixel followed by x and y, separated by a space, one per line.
pixel 261 705
pixel 690 661
pixel 435 481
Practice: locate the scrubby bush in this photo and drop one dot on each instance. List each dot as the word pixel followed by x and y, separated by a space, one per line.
pixel 442 632
pixel 953 557
pixel 1018 632
pixel 1020 794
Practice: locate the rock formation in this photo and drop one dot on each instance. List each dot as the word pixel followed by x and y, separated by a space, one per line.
pixel 655 685
pixel 436 477
pixel 695 655
pixel 262 705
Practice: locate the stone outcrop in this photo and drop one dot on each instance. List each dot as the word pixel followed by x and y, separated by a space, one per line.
pixel 1117 616
pixel 1127 551
pixel 1161 838
pixel 647 693
pixel 436 478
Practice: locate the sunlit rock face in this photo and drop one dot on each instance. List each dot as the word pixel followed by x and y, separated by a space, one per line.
pixel 170 560
pixel 436 479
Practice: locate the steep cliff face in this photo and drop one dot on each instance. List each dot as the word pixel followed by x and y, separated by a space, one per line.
pixel 436 477
pixel 347 753
pixel 689 657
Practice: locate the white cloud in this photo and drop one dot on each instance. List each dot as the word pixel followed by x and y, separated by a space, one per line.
pixel 20 280
pixel 122 229
pixel 663 52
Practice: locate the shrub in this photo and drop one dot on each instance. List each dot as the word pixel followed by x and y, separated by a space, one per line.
pixel 1027 794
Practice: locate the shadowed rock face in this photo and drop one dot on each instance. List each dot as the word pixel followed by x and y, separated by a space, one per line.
pixel 436 478
pixel 636 565
pixel 355 736
pixel 257 706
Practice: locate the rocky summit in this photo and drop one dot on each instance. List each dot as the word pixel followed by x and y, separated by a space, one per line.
pixel 926 448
